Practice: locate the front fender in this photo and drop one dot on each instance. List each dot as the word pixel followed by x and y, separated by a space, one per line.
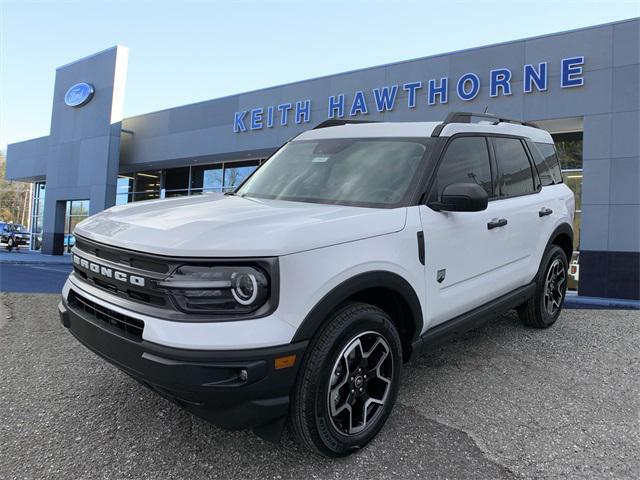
pixel 354 285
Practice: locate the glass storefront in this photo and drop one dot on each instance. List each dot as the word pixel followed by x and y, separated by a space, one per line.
pixel 124 190
pixel 235 174
pixel 147 185
pixel 207 178
pixel 76 211
pixel 177 182
pixel 37 215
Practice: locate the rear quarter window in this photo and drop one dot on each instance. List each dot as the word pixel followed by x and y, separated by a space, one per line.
pixel 515 175
pixel 546 160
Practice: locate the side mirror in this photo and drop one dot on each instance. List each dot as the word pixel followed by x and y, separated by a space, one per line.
pixel 462 197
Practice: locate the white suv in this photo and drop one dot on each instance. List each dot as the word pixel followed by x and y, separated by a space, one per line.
pixel 300 295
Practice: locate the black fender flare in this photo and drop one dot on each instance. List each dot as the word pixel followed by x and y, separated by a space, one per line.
pixel 563 228
pixel 354 285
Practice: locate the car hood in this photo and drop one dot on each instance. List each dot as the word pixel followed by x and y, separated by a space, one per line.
pixel 214 225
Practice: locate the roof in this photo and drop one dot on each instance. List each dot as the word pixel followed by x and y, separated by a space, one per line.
pixel 421 130
pixel 371 130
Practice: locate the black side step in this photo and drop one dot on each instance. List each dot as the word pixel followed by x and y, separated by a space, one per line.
pixel 472 319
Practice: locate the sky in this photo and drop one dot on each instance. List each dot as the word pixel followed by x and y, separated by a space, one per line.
pixel 185 52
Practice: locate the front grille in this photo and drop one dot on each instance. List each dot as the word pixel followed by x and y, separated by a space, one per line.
pixel 144 265
pixel 143 296
pixel 118 323
pixel 136 260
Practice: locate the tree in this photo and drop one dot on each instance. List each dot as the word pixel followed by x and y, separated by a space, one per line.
pixel 14 197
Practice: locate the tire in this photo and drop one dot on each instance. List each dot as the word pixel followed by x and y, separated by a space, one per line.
pixel 357 357
pixel 543 309
pixel 10 244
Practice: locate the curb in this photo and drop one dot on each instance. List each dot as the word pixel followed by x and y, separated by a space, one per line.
pixel 599 303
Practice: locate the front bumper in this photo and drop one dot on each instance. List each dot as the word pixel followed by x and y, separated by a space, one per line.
pixel 209 384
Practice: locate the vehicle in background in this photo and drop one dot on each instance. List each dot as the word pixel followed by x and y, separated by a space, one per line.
pixel 13 235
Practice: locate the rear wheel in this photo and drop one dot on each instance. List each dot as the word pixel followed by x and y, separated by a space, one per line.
pixel 349 381
pixel 10 244
pixel 543 309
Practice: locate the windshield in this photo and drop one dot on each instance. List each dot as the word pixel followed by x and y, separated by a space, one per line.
pixel 360 172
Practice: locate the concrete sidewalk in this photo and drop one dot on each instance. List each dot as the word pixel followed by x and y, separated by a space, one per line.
pixel 25 256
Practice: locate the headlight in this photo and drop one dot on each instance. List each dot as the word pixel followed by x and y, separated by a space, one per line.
pixel 217 289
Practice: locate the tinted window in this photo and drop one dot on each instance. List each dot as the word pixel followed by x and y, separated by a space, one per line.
pixel 515 176
pixel 548 154
pixel 465 161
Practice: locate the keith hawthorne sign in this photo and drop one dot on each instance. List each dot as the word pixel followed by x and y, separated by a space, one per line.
pixel 435 91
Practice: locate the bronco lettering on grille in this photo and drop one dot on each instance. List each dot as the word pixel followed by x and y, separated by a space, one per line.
pixel 108 272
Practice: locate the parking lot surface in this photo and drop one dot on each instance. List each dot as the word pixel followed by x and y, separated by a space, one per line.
pixel 503 401
pixel 33 278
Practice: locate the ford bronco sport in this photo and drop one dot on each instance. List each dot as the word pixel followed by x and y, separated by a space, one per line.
pixel 299 296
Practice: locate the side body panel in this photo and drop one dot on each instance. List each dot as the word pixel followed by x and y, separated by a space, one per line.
pixel 483 264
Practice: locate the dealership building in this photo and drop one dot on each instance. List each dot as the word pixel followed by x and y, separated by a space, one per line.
pixel 581 85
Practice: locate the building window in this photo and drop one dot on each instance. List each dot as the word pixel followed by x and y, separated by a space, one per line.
pixel 37 215
pixel 77 210
pixel 235 173
pixel 176 182
pixel 221 177
pixel 206 178
pixel 569 146
pixel 124 190
pixel 146 185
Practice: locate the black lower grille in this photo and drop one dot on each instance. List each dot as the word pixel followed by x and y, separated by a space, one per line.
pixel 117 322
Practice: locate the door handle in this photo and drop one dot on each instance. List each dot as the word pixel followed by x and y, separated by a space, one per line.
pixel 544 211
pixel 498 222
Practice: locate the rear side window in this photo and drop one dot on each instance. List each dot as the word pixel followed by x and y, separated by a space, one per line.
pixel 466 160
pixel 549 163
pixel 515 175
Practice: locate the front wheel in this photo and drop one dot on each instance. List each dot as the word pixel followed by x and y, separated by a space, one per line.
pixel 543 309
pixel 10 244
pixel 349 381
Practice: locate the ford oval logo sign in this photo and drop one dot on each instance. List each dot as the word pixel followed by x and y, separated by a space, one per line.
pixel 78 95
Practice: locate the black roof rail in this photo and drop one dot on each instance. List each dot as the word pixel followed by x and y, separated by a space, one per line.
pixel 336 122
pixel 465 117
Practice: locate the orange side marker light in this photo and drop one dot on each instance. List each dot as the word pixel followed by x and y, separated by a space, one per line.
pixel 285 362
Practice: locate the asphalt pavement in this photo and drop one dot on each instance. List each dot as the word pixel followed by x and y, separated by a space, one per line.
pixel 33 277
pixel 504 401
